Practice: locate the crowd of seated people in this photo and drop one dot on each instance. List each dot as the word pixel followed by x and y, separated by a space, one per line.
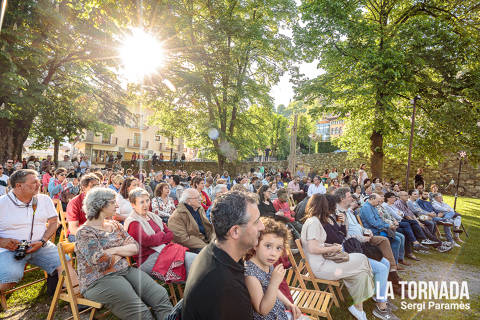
pixel 169 220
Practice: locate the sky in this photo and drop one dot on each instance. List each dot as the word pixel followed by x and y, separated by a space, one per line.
pixel 283 92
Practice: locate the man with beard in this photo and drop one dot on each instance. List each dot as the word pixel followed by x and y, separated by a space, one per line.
pixel 215 286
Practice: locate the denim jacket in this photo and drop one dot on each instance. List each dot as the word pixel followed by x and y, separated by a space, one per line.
pixel 371 219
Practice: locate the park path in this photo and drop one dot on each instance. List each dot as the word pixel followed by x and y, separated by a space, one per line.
pixel 434 270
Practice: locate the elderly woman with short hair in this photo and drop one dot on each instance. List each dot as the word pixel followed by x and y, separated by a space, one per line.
pixel 102 246
pixel 157 256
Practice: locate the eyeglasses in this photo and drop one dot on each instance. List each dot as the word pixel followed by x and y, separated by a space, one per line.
pixel 10 162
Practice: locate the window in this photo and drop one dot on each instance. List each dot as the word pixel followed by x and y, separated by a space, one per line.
pixel 136 139
pixel 106 138
pixel 158 138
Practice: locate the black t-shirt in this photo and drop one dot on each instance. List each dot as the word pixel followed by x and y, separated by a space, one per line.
pixel 335 232
pixel 215 288
pixel 418 180
pixel 266 210
pixel 300 209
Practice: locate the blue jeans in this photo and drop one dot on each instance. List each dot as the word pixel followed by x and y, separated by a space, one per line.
pixel 405 228
pixel 397 244
pixel 448 230
pixel 430 225
pixel 11 269
pixel 380 271
pixel 416 228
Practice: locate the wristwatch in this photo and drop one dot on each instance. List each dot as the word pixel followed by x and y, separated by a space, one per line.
pixel 44 243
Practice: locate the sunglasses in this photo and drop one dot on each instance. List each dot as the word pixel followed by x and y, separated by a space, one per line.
pixel 10 162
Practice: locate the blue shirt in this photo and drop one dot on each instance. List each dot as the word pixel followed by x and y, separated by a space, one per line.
pixel 197 218
pixel 371 220
pixel 425 205
pixel 113 188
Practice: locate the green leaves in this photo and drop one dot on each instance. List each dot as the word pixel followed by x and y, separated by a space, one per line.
pixel 230 54
pixel 378 55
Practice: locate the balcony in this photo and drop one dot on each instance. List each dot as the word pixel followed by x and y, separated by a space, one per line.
pixel 111 142
pixel 108 141
pixel 131 143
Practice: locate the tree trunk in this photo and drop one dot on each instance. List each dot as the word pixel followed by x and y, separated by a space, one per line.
pixel 376 157
pixel 56 147
pixel 13 134
pixel 221 161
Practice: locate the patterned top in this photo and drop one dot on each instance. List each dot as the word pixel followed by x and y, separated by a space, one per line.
pixel 92 261
pixel 278 310
pixel 163 208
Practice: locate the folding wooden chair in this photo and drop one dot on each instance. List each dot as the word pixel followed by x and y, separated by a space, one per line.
pixel 174 296
pixel 311 302
pixel 63 220
pixel 303 273
pixel 70 292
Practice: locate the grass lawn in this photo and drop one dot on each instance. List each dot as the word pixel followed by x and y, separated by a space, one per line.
pixel 32 302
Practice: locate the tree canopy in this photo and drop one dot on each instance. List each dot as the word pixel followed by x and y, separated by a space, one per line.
pixel 226 55
pixel 57 71
pixel 377 55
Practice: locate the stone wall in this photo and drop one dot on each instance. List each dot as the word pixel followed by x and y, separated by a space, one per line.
pixel 441 174
pixel 232 168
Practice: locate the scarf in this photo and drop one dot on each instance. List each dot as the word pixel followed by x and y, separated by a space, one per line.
pixel 145 225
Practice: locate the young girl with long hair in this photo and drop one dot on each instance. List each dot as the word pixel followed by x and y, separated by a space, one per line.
pixel 263 279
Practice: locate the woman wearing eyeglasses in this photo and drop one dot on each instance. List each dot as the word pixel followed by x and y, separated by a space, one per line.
pixel 104 274
pixel 57 184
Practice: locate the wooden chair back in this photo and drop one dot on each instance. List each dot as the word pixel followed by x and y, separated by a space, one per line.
pixel 63 220
pixel 71 291
pixel 304 274
pixel 291 202
pixel 359 220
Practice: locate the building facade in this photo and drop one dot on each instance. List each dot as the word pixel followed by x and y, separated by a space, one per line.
pixel 137 138
pixel 329 127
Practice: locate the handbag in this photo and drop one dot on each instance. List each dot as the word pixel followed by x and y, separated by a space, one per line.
pixel 352 245
pixel 371 251
pixel 390 233
pixel 337 257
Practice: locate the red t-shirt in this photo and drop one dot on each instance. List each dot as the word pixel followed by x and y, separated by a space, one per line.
pixel 285 207
pixel 75 211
